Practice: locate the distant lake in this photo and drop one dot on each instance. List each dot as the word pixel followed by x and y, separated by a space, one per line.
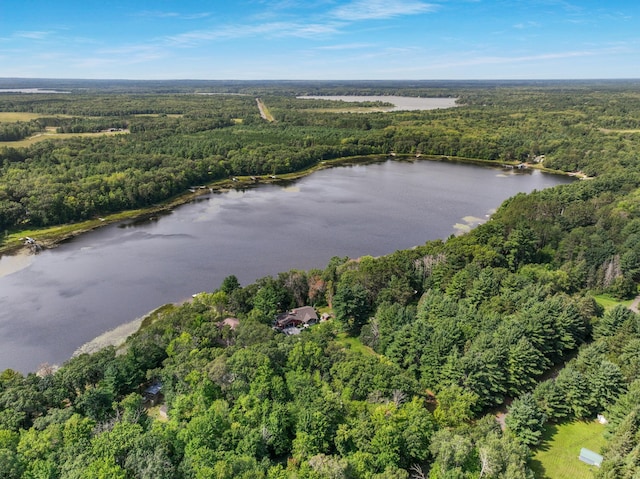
pixel 400 102
pixel 52 303
pixel 30 90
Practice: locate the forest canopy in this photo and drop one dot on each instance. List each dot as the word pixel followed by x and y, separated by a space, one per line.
pixel 173 141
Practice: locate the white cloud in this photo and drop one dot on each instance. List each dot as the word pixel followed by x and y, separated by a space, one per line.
pixel 274 29
pixel 182 16
pixel 112 58
pixel 294 4
pixel 347 46
pixel 381 9
pixel 130 50
pixel 328 24
pixel 524 25
pixel 33 35
pixel 495 60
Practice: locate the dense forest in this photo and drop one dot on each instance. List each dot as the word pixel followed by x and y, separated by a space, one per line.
pixel 423 345
pixel 176 141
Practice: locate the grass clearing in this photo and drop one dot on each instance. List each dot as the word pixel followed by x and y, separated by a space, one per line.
pixel 607 130
pixel 158 115
pixel 51 135
pixel 557 455
pixel 14 116
pixel 354 344
pixel 155 413
pixel 608 302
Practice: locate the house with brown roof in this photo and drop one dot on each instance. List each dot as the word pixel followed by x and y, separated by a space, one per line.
pixel 298 317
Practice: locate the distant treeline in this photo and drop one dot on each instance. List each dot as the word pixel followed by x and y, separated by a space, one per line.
pixel 180 140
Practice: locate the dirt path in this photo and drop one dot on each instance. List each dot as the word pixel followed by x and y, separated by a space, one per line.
pixel 634 306
pixel 500 417
pixel 264 112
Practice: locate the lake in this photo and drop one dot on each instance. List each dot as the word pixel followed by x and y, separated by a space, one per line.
pixel 52 303
pixel 400 102
pixel 30 90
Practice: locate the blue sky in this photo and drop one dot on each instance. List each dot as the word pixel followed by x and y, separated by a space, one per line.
pixel 320 39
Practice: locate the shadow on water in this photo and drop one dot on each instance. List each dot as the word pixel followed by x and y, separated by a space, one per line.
pixel 145 220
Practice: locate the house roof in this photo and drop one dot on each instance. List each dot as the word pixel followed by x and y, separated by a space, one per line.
pixel 306 314
pixel 155 388
pixel 303 315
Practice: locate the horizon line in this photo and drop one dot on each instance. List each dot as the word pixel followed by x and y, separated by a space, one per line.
pixel 321 80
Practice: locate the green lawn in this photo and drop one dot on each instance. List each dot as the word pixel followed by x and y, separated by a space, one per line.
pixel 608 302
pixel 354 344
pixel 557 455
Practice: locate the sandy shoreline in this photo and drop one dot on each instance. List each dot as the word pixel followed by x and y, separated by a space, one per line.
pixel 117 336
pixel 12 263
pixel 114 337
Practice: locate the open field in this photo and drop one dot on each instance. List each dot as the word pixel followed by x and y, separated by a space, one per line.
pixel 354 344
pixel 157 115
pixel 50 134
pixel 13 116
pixel 557 455
pixel 607 130
pixel 608 302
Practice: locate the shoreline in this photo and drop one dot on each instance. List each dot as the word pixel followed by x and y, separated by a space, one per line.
pixel 118 336
pixel 51 237
pixel 114 337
